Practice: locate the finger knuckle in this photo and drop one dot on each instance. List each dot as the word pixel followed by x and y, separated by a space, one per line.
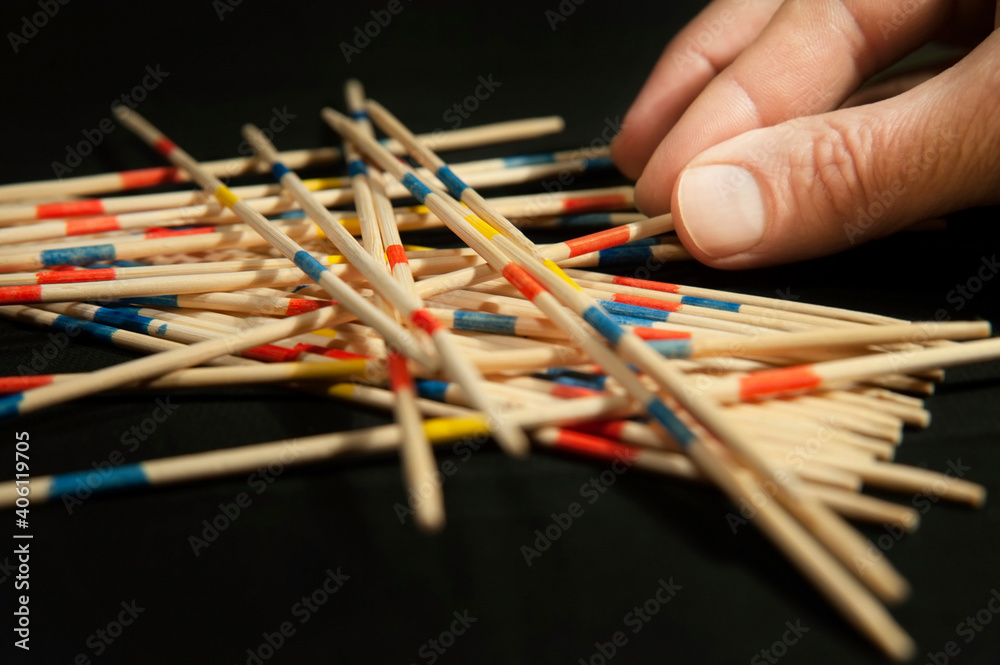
pixel 839 154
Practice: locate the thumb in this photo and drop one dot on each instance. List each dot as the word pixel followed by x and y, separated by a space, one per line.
pixel 822 184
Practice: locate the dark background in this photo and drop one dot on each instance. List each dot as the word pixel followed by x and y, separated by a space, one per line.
pixel 404 587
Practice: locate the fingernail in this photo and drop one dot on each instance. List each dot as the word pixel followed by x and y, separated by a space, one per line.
pixel 722 208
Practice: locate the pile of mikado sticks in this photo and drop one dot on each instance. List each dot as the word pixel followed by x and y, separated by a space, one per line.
pixel 787 407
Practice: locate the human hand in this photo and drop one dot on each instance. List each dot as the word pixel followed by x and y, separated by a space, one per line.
pixel 746 128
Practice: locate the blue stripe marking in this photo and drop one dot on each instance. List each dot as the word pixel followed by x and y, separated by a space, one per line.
pixel 126 318
pixel 288 214
pixel 714 304
pixel 77 256
pixel 156 301
pixel 595 163
pixel 432 389
pixel 360 115
pixel 589 219
pixel 99 480
pixel 278 170
pixel 500 324
pixel 603 324
pixel 635 311
pixel 665 417
pixel 356 167
pixel 529 160
pixel 309 265
pixel 629 320
pixel 451 181
pixel 618 255
pixel 555 372
pixel 10 405
pixel 86 329
pixel 123 263
pixel 672 348
pixel 595 382
pixel 417 188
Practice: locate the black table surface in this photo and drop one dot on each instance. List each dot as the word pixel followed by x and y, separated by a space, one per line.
pixel 116 579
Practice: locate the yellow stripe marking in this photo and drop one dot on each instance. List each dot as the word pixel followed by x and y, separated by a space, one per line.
pixel 551 265
pixel 342 390
pixel 316 184
pixel 326 332
pixel 226 196
pixel 446 429
pixel 352 224
pixel 481 226
pixel 325 370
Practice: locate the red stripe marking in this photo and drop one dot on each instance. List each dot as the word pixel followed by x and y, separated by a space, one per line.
pixel 69 209
pixel 68 276
pixel 157 175
pixel 330 353
pixel 395 254
pixel 310 348
pixel 164 146
pixel 399 373
pixel 75 227
pixel 647 284
pixel 271 353
pixel 605 202
pixel 344 355
pixel 302 305
pixel 426 321
pixel 649 303
pixel 781 380
pixel 158 232
pixel 595 446
pixel 564 391
pixel 15 384
pixel 598 241
pixel 654 333
pixel 609 429
pixel 524 282
pixel 14 295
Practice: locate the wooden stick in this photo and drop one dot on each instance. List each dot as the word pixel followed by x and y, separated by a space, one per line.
pixel 455 139
pixel 789 380
pixel 473 233
pixel 773 303
pixel 834 533
pixel 216 463
pixel 511 438
pixel 316 271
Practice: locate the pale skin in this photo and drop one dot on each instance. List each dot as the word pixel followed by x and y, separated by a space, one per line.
pixel 752 130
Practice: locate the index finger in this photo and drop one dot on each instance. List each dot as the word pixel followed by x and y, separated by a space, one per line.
pixel 807 60
pixel 706 46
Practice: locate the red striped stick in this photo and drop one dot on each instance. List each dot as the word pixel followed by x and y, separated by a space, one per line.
pixel 789 380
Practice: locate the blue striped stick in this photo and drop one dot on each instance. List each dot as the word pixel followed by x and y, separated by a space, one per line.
pixel 316 271
pixel 510 438
pixel 842 540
